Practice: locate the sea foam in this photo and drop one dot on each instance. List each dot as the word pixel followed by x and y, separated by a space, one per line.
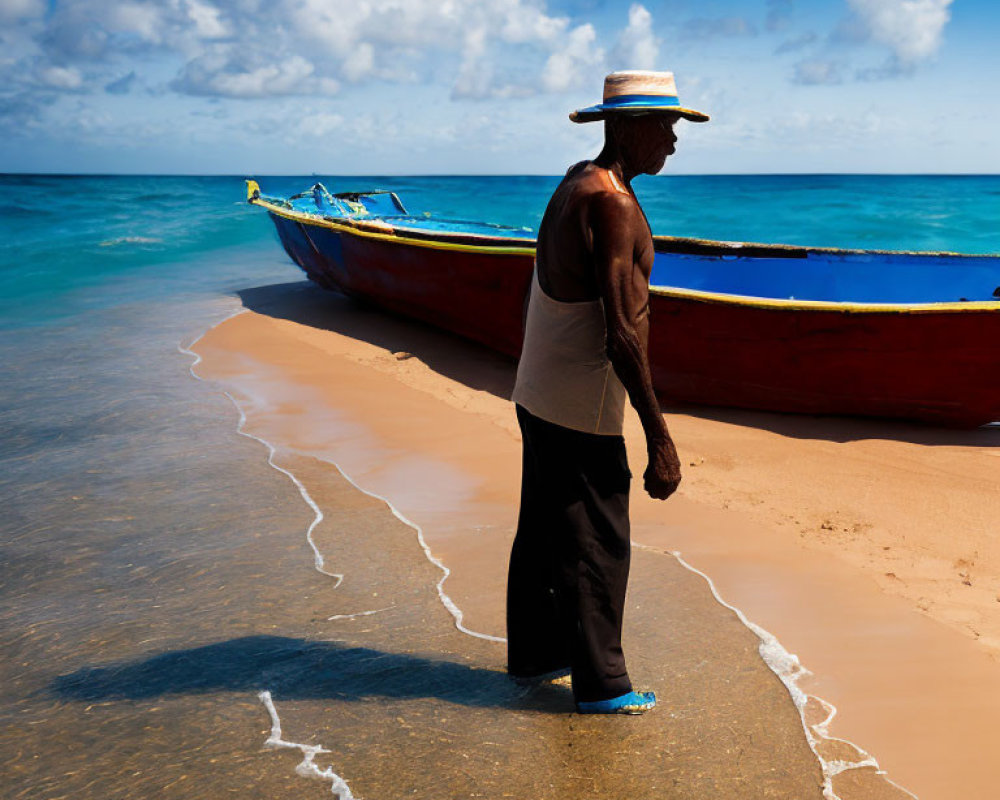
pixel 789 669
pixel 130 240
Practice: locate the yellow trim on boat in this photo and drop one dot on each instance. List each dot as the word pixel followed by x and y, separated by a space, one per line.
pixel 780 304
pixel 398 236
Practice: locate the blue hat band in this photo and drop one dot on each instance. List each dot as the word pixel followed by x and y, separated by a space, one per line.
pixel 640 101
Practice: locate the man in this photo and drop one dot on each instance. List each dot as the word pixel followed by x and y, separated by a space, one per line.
pixel 585 348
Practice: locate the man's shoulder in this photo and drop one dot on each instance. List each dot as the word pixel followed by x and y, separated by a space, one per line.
pixel 591 186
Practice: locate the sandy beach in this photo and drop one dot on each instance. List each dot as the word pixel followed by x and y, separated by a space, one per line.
pixel 865 547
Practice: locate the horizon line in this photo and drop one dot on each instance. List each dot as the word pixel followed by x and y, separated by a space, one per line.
pixel 242 175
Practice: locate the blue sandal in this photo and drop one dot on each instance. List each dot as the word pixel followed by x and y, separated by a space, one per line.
pixel 631 703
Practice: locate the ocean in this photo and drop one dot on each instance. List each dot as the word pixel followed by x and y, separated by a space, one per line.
pixel 69 244
pixel 123 493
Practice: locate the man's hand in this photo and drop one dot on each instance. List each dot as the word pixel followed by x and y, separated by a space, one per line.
pixel 663 474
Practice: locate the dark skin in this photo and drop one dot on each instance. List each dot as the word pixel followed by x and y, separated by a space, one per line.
pixel 595 243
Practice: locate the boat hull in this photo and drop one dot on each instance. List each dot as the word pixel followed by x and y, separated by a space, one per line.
pixel 932 366
pixel 936 365
pixel 478 295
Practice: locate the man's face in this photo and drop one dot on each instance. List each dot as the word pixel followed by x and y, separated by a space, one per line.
pixel 650 138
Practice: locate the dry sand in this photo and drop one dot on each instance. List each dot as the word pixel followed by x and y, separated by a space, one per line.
pixel 866 547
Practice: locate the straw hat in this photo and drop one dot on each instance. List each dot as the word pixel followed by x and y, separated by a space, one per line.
pixel 638 92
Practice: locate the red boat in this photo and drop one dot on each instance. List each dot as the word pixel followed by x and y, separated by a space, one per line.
pixel 774 327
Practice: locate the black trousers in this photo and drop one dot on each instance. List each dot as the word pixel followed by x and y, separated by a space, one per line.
pixel 570 560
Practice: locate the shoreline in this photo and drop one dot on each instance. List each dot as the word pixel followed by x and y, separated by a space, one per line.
pixel 562 717
pixel 319 562
pixel 393 363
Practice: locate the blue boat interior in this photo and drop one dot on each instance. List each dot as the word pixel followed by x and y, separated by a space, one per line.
pixel 388 207
pixel 762 271
pixel 843 277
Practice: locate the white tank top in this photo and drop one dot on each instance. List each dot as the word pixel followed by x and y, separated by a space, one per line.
pixel 564 375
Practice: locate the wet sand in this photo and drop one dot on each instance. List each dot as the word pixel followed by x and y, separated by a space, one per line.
pixel 158 578
pixel 421 418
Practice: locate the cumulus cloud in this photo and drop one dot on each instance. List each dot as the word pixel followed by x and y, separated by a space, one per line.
pixel 257 48
pixel 475 75
pixel 254 49
pixel 567 67
pixel 911 29
pixel 207 19
pixel 359 64
pixel 66 78
pixel 219 74
pixel 637 45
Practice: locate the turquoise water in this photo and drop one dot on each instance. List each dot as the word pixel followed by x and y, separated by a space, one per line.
pixel 69 244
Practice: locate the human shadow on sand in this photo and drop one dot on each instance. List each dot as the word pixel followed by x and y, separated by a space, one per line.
pixel 480 368
pixel 300 669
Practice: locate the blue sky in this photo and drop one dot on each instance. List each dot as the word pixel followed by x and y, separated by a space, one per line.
pixel 484 86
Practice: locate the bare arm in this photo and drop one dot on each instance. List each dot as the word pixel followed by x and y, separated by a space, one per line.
pixel 615 226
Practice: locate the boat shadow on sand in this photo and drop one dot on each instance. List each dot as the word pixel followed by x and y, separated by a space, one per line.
pixel 482 369
pixel 298 669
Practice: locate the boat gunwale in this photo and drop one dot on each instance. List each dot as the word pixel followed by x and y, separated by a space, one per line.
pixel 379 230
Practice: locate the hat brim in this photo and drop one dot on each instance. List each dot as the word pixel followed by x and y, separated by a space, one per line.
pixel 594 113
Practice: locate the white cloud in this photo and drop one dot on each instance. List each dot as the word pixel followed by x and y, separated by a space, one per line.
pixel 316 126
pixel 141 19
pixel 207 20
pixel 526 23
pixel 637 46
pixel 259 48
pixel 256 49
pixel 570 65
pixel 475 75
pixel 66 78
pixel 911 29
pixel 289 76
pixel 214 74
pixel 359 64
